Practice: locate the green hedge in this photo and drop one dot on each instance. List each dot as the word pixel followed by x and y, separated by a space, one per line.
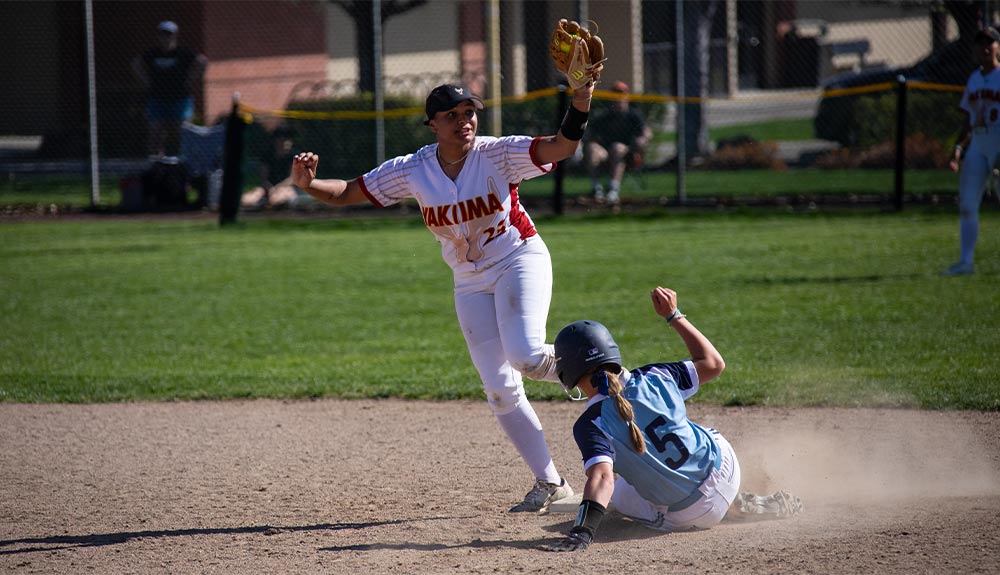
pixel 934 114
pixel 348 147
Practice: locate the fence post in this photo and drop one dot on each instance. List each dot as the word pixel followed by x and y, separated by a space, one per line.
pixel 560 175
pixel 680 128
pixel 232 166
pixel 95 169
pixel 900 141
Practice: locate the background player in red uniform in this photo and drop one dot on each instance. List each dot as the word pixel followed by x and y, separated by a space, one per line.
pixel 981 101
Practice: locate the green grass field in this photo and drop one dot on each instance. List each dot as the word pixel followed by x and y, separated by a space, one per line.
pixel 73 191
pixel 737 184
pixel 807 309
pixel 789 130
pixel 762 184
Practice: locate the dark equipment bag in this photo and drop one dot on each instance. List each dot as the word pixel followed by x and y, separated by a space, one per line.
pixel 165 185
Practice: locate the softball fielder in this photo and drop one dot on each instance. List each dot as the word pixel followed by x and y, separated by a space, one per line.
pixel 673 474
pixel 981 101
pixel 467 189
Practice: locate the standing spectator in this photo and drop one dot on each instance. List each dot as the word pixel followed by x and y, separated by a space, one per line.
pixel 169 73
pixel 617 139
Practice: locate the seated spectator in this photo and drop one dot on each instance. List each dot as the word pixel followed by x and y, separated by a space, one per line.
pixel 616 139
pixel 276 188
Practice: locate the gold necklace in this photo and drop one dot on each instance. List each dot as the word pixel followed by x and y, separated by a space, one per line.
pixel 447 164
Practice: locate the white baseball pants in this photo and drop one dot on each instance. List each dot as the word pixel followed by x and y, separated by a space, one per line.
pixel 502 311
pixel 976 171
pixel 719 490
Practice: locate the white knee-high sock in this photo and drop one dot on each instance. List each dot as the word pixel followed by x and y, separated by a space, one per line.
pixel 968 234
pixel 525 431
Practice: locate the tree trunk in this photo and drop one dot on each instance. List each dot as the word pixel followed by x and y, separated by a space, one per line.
pixel 364 22
pixel 968 15
pixel 698 17
pixel 364 47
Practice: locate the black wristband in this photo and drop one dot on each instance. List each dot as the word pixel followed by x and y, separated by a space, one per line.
pixel 590 516
pixel 574 123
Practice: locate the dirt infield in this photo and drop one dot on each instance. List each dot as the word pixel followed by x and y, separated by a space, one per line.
pixel 414 487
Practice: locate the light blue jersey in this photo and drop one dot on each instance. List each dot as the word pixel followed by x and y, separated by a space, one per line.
pixel 679 453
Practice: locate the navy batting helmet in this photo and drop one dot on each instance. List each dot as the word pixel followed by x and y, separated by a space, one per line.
pixel 582 346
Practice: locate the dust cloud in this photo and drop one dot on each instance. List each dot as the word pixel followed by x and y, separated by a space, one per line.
pixel 865 456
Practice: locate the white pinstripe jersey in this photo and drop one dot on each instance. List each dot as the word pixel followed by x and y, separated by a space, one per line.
pixel 476 218
pixel 981 98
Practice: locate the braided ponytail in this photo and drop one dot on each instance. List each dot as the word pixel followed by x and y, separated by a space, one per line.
pixel 625 411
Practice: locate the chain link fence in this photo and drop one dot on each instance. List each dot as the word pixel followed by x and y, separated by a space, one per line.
pixel 758 101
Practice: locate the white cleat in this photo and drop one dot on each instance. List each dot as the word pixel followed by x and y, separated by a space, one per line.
pixel 541 495
pixel 780 504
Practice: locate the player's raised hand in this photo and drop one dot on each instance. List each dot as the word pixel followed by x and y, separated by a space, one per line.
pixel 664 301
pixel 304 169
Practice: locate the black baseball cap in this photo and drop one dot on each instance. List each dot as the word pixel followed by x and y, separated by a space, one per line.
pixel 446 97
pixel 989 34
